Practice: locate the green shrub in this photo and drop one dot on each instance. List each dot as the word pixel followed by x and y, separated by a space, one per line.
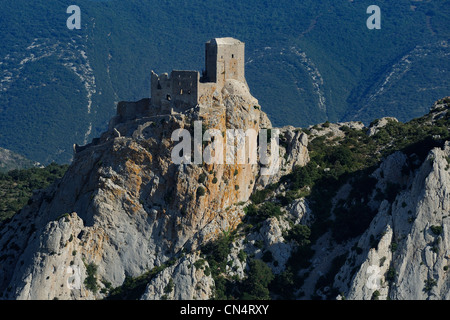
pixel 91 279
pixel 394 246
pixel 65 216
pixel 265 211
pixel 251 210
pixel 134 288
pixel 390 274
pixel 169 287
pixel 259 244
pixel 429 284
pixel 255 287
pixel 201 191
pixel 242 256
pixel 107 286
pixel 375 295
pixel 268 210
pixel 284 284
pixel 300 234
pixel 260 196
pixel 437 230
pixel 216 253
pixel 199 263
pixel 202 178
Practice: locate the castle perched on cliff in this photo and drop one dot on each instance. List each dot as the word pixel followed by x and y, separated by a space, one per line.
pixel 184 89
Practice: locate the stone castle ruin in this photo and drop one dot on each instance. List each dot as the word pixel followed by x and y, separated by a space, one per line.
pixel 224 60
pixel 185 89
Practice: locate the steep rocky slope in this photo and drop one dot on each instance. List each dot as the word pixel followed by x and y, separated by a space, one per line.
pixel 353 213
pixel 406 248
pixel 404 252
pixel 124 208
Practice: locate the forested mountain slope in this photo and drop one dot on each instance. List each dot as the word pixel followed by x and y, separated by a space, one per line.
pixel 306 61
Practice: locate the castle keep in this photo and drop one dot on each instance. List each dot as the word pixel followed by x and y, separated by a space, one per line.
pixel 224 60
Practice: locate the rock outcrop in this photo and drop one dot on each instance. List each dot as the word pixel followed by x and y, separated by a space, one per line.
pixel 183 281
pixel 380 123
pixel 124 207
pixel 126 213
pixel 406 248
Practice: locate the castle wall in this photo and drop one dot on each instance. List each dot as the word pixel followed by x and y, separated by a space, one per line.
pixel 211 62
pixel 224 60
pixel 179 91
pixel 161 89
pixel 129 110
pixel 185 88
pixel 230 61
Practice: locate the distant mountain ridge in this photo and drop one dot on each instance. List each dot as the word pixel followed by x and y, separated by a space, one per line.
pixel 10 160
pixel 307 61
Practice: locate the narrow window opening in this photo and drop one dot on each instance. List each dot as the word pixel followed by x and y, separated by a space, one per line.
pixel 168 97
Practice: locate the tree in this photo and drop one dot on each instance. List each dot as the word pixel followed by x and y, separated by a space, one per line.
pixel 200 191
pixel 257 282
pixel 91 279
pixel 300 234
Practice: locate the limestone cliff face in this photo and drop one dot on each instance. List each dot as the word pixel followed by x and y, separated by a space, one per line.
pixel 124 210
pixel 407 246
pixel 124 207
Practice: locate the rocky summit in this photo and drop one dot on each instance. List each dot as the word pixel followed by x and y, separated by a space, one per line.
pixel 353 211
pixel 124 207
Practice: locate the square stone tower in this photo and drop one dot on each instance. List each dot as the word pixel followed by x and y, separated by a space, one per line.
pixel 224 59
pixel 184 89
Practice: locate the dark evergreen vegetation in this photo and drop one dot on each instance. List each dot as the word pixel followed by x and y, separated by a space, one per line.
pixel 16 186
pixel 43 109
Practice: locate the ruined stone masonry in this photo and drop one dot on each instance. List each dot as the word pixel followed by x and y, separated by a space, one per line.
pixel 184 89
pixel 224 60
